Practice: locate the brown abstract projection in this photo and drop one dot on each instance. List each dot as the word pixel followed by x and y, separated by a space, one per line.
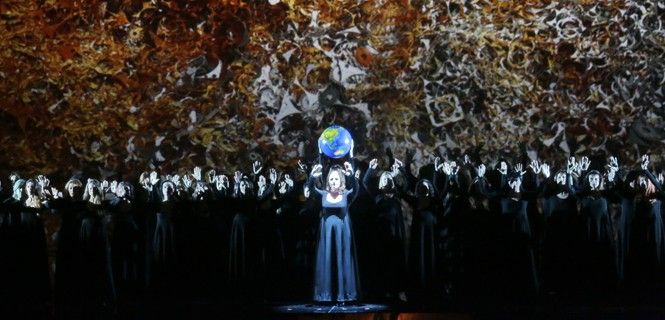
pixel 125 84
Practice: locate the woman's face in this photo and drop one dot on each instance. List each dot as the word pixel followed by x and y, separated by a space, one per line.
pixel 243 187
pixel 30 188
pixel 167 190
pixel 594 181
pixel 385 181
pixel 334 181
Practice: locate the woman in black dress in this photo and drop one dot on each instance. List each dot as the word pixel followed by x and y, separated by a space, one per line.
pixel 516 267
pixel 389 243
pixel 647 242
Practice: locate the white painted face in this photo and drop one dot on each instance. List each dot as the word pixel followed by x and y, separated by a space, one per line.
pixel 385 180
pixel 166 190
pixel 560 178
pixel 29 188
pixel 243 187
pixel 503 165
pixel 594 181
pixel 334 180
pixel 306 192
pixel 515 185
pixel 70 189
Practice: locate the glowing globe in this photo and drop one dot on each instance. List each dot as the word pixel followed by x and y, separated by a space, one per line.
pixel 335 142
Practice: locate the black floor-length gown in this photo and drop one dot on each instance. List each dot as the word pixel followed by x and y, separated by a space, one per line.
pixel 26 286
pixel 647 241
pixel 127 248
pixel 68 255
pixel 389 241
pixel 560 239
pixel 597 252
pixel 243 247
pixel 516 266
pixel 425 258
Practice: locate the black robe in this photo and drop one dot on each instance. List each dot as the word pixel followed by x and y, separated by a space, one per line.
pixel 516 267
pixel 647 241
pixel 560 239
pixel 127 248
pixel 25 288
pixel 389 241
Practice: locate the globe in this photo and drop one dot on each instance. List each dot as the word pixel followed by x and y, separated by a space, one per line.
pixel 335 142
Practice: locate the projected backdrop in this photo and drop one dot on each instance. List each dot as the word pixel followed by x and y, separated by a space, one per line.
pixel 122 84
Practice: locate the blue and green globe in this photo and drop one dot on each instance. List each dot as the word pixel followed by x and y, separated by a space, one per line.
pixel 335 142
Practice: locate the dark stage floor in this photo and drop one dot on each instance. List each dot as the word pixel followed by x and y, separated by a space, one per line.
pixel 618 306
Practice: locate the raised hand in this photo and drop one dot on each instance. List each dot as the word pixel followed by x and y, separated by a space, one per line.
pixel 518 169
pixel 237 176
pixel 373 164
pixel 351 150
pixel 613 164
pixel 257 167
pixel 570 165
pixel 480 170
pixel 466 160
pixel 154 178
pixel 348 168
pixel 302 166
pixel 584 163
pixel 545 169
pixel 43 182
pixel 535 166
pixel 273 175
pixel 437 167
pixel 187 181
pixel 288 180
pixel 645 162
pixel 503 168
pixel 114 186
pixel 105 185
pixel 317 171
pixel 197 173
pixel 262 182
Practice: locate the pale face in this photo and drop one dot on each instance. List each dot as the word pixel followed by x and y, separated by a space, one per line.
pixel 594 181
pixel 70 190
pixel 334 180
pixel 306 192
pixel 385 180
pixel 243 187
pixel 30 188
pixel 503 166
pixel 560 178
pixel 166 190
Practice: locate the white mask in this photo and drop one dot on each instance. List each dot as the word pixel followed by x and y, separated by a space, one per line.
pixel 594 181
pixel 334 180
